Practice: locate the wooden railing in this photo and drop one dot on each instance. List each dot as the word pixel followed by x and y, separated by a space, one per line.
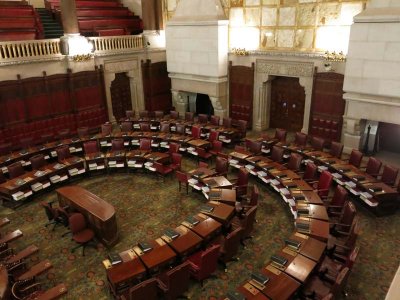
pixel 110 44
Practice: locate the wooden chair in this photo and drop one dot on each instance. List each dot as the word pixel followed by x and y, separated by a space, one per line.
pixel 300 139
pixel 204 263
pixel 182 179
pixel 355 158
pixel 175 282
pixel 336 149
pixel 147 289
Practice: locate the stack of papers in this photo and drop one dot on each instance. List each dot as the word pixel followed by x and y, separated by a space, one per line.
pixel 55 178
pixel 37 186
pixel 18 195
pixel 92 166
pixel 73 172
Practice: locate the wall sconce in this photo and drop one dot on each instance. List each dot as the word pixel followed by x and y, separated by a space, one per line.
pixel 77 47
pixel 240 51
pixel 333 56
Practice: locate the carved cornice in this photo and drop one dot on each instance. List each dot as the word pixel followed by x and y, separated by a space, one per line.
pixel 288 54
pixel 120 66
pixel 285 68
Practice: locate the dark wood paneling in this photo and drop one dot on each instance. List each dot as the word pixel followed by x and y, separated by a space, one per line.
pixel 389 137
pixel 121 95
pixel 241 85
pixel 156 86
pixel 287 104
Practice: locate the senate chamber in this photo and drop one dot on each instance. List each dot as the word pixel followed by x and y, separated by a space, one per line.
pixel 199 149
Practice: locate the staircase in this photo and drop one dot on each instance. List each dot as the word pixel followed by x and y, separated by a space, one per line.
pixel 52 29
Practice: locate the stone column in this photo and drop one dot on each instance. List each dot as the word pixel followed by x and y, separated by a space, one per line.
pixel 152 15
pixel 306 83
pixel 351 134
pixel 68 16
pixel 179 103
pixel 219 108
pixel 108 79
pixel 135 99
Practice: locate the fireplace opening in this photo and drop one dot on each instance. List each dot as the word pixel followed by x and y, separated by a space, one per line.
pixel 204 105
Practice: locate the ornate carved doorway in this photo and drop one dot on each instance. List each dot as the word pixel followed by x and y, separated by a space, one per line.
pixel 121 95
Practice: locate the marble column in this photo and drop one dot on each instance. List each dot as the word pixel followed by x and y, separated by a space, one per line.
pixel 68 16
pixel 108 79
pixel 351 134
pixel 219 108
pixel 306 83
pixel 179 103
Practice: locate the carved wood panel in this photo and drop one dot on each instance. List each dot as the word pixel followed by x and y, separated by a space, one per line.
pixel 121 95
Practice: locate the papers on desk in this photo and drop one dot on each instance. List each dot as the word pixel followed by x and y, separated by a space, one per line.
pixel 337 175
pixel 103 143
pixel 249 167
pixel 136 126
pixel 149 166
pixel 339 181
pixel 72 149
pixel 135 142
pixel 182 149
pixel 18 196
pixel 73 172
pixel 112 163
pixel 20 182
pixel 350 184
pixel 284 192
pixel 205 189
pixel 27 194
pixel 354 191
pixel 265 150
pixel 164 145
pixel 63 178
pixel 274 182
pixel 55 178
pixel 37 186
pixel 92 166
pixel 365 195
pixel 46 185
pixel 193 181
pixel 173 128
pixel 4 169
pixel 59 166
pixel 322 168
pixel 53 153
pixel 261 174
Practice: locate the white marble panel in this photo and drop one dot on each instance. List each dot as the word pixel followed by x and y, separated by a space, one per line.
pixel 348 11
pixel 268 39
pixel 359 32
pixel 381 70
pixel 269 16
pixel 392 52
pixel 252 2
pixel 171 5
pixel 365 50
pixel 388 32
pixel 306 15
pixel 307 1
pixel 252 16
pixel 355 67
pixel 329 14
pixel 287 16
pixel 285 38
pixel 304 38
pixel 366 86
pixel 270 2
pixel 236 16
pixel 390 88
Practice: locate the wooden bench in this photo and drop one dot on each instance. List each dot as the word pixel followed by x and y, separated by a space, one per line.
pixel 11 11
pixel 90 25
pixel 21 22
pixel 110 31
pixel 20 35
pixel 104 12
pixel 53 293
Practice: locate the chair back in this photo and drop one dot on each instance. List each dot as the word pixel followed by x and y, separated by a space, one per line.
pixel 254 196
pixel 217 146
pixel 339 197
pixel 203 164
pixel 254 147
pixel 46 138
pixel 300 139
pixel 277 153
pixel 15 170
pixel 215 120
pixel 173 148
pixel 174 114
pixel 117 145
pixel 231 244
pixel 202 153
pixel 5 148
pixel 37 161
pixel 349 213
pixel 176 159
pixel 242 127
pixel 202 118
pixel 164 127
pixel 317 143
pixel 227 122
pixel 280 135
pixel 240 149
pixel 189 116
pixel 178 280
pixel 126 126
pixel 90 147
pixel 373 166
pixel 159 167
pixel 159 114
pixel 221 165
pixel 208 262
pixel 143 114
pixel 340 282
pixel 63 153
pixel 77 223
pixel 147 289
pixel 196 131
pixel 354 232
pixel 336 149
pixel 130 114
pixel 106 129
pixel 145 127
pixel 311 172
pixel 180 128
pixel 324 183
pixel 249 220
pixel 51 213
pixel 83 131
pixel 243 177
pixel 213 136
pixel 63 134
pixel 355 158
pixel 181 176
pixel 389 175
pixel 26 142
pixel 295 162
pixel 351 259
pixel 145 144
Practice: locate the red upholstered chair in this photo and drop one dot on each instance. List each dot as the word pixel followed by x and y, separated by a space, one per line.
pixel 106 129
pixel 337 201
pixel 277 154
pixel 310 174
pixel 126 126
pixel 213 136
pixel 174 114
pixel 15 170
pixel 202 118
pixel 164 127
pixel 26 142
pixel 47 138
pixel 216 148
pixel 204 263
pixel 317 143
pixel 189 116
pixel 175 282
pixel 83 132
pixel 145 127
pixel 336 149
pixel 145 144
pixel 344 220
pixel 227 122
pixel 294 162
pixel 221 166
pixel 173 148
pixel 117 145
pixel 162 170
pixel 242 130
pixel 202 164
pixel 340 245
pixel 147 289
pixel 63 134
pixel 143 114
pixel 241 182
pixel 355 158
pixel 246 223
pixel 300 139
pixel 91 147
pixel 332 266
pixel 252 199
pixel 373 166
pixel 203 154
pixel 196 131
pixel 182 179
pixel 229 246
pixel 37 161
pixel 159 114
pixel 63 153
pixel 215 120
pixel 280 135
pixel 81 234
pixel 176 161
pixel 254 147
pixel 324 183
pixel 389 175
pixel 130 114
pixel 180 128
pixel 5 149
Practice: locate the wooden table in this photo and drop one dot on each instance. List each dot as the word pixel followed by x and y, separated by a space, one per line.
pixel 242 155
pixel 199 143
pixel 221 212
pixel 310 247
pixel 185 243
pixel 158 157
pixel 314 211
pixel 271 165
pixel 258 158
pixel 158 257
pixel 310 197
pixel 202 173
pixel 100 214
pixel 223 195
pixel 206 228
pixel 317 229
pixel 285 175
pixel 217 182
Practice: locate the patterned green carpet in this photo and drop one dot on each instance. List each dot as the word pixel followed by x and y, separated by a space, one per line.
pixel 146 205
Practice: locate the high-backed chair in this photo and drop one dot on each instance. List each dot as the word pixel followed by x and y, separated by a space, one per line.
pixel 343 222
pixel 174 115
pixel 82 132
pixel 5 148
pixel 145 144
pixel 332 266
pixel 180 128
pixel 317 143
pixel 241 182
pixel 53 215
pixel 214 120
pixel 203 154
pixel 91 147
pixel 196 131
pixel 254 147
pixel 164 127
pixel 202 118
pixel 336 203
pixel 373 166
pixel 300 139
pixel 204 263
pixel 147 289
pixel 341 244
pixel 389 175
pixel 162 170
pixel 143 114
pixel 280 135
pixel 16 169
pixel 324 183
pixel 81 233
pixel 175 282
pixel 246 223
pixel 182 179
pixel 213 136
pixel 63 153
pixel 26 142
pixel 106 129
pixel 310 174
pixel 130 114
pixel 189 116
pixel 242 129
pixel 216 148
pixel 63 134
pixel 221 166
pixel 2 177
pixel 126 126
pixel 37 161
pixel 227 122
pixel 173 148
pixel 355 158
pixel 229 246
pixel 294 163
pixel 159 114
pixel 145 127
pixel 277 154
pixel 252 199
pixel 47 138
pixel 336 149
pixel 117 145
pixel 176 161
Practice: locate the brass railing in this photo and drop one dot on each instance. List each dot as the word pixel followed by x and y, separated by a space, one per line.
pixel 110 44
pixel 29 50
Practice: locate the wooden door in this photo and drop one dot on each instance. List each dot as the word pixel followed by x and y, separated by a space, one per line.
pixel 121 95
pixel 287 104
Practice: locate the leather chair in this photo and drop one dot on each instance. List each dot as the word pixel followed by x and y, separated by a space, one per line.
pixel 229 246
pixel 143 114
pixel 254 147
pixel 300 139
pixel 341 224
pixel 63 153
pixel 182 179
pixel 91 147
pixel 332 266
pixel 215 120
pixel 117 145
pixel 280 135
pixel 317 143
pixel 189 116
pixel 203 154
pixel 37 161
pixel 46 138
pixel 355 158
pixel 174 114
pixel 145 127
pixel 216 148
pixel 147 289
pixel 15 170
pixel 310 174
pixel 196 131
pixel 246 223
pixel 162 170
pixel 126 127
pixel 324 184
pixel 26 142
pixel 294 163
pixel 83 132
pixel 145 145
pixel 180 128
pixel 176 161
pixel 202 164
pixel 241 182
pixel 202 118
pixel 389 175
pixel 227 122
pixel 242 130
pixel 221 166
pixel 213 136
pixel 53 215
pixel 159 114
pixel 341 244
pixel 252 199
pixel 173 148
pixel 106 129
pixel 81 234
pixel 164 127
pixel 175 282
pixel 277 154
pixel 130 114
pixel 373 166
pixel 204 263
pixel 336 149
pixel 63 134
pixel 337 201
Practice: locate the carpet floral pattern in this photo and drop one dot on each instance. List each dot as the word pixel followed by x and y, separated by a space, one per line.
pixel 146 205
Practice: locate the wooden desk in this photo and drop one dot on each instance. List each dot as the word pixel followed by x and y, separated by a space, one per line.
pixel 221 212
pixel 4 288
pixel 202 173
pixel 223 195
pixel 280 285
pixel 314 211
pixel 310 197
pixel 185 243
pixel 317 229
pixel 310 247
pixel 22 254
pixel 285 175
pixel 258 158
pixel 36 270
pixel 53 293
pixel 240 155
pixel 250 292
pixel 270 165
pixel 206 228
pixel 159 256
pixel 99 213
pixel 217 182
pixel 158 157
pixel 297 185
pixel 199 143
